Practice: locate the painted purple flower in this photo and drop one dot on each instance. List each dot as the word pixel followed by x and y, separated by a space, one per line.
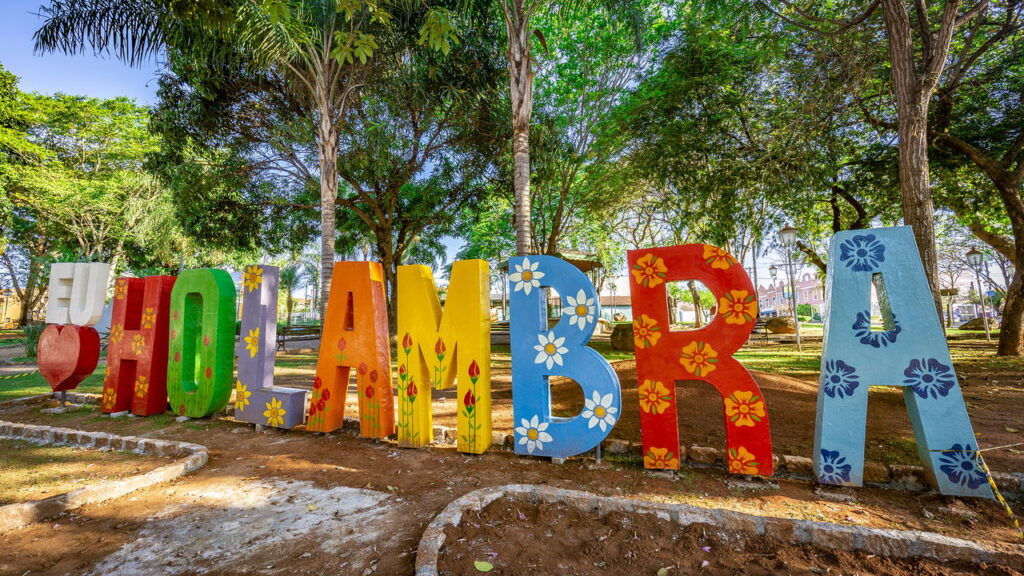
pixel 862 331
pixel 929 377
pixel 863 253
pixel 960 466
pixel 840 379
pixel 834 469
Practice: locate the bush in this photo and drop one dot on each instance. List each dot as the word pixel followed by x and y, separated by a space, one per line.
pixel 32 332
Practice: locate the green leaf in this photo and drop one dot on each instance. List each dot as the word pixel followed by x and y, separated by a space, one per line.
pixel 482 566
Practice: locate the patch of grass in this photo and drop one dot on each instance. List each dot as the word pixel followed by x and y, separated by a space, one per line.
pixel 892 450
pixel 32 471
pixel 783 359
pixel 33 384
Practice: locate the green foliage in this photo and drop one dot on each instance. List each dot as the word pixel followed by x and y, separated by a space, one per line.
pixel 31 340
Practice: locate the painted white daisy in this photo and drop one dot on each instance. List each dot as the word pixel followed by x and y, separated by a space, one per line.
pixel 581 310
pixel 600 411
pixel 550 350
pixel 526 276
pixel 532 433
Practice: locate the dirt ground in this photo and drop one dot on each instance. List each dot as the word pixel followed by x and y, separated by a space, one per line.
pixel 620 543
pixel 32 472
pixel 277 502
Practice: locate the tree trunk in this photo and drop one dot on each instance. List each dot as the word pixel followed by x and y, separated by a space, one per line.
pixel 327 148
pixel 698 310
pixel 1011 331
pixel 520 71
pixel 912 97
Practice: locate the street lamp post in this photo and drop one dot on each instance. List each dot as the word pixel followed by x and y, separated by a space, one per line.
pixel 975 259
pixel 787 236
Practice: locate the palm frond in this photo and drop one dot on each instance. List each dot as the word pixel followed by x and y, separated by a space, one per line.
pixel 130 31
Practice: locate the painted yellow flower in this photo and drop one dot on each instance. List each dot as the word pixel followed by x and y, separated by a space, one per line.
pixel 741 461
pixel 120 288
pixel 109 398
pixel 241 395
pixel 699 358
pixel 141 386
pixel 138 344
pixel 148 318
pixel 744 408
pixel 660 458
pixel 253 277
pixel 654 397
pixel 718 257
pixel 252 342
pixel 275 413
pixel 646 331
pixel 738 307
pixel 649 271
pixel 116 333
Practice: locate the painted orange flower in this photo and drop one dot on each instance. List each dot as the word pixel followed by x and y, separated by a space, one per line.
pixel 116 333
pixel 718 257
pixel 741 461
pixel 738 307
pixel 654 397
pixel 120 288
pixel 141 386
pixel 699 358
pixel 138 344
pixel 744 408
pixel 148 318
pixel 660 458
pixel 649 271
pixel 646 331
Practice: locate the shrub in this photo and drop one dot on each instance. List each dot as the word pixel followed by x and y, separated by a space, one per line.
pixel 32 332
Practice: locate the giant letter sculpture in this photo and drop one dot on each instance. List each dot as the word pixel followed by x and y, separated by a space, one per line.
pixel 69 348
pixel 137 346
pixel 256 398
pixel 539 352
pixel 355 335
pixel 911 353
pixel 662 357
pixel 202 340
pixel 437 349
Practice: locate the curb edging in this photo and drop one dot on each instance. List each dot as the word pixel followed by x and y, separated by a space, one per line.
pixel 882 542
pixel 189 458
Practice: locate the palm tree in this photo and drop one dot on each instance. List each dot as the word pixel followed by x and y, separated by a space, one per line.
pixel 518 15
pixel 320 46
pixel 291 273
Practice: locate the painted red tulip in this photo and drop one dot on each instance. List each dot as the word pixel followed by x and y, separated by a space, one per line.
pixel 209 372
pixel 373 376
pixel 369 392
pixel 440 348
pixel 320 405
pixel 312 408
pixel 206 339
pixel 411 390
pixel 474 371
pixel 363 368
pixel 407 342
pixel 326 395
pixel 342 344
pixel 317 382
pixel 402 371
pixel 469 400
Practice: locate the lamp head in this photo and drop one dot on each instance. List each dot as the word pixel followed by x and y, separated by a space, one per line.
pixel 788 236
pixel 975 257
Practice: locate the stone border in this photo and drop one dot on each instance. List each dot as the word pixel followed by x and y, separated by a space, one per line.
pixel 882 542
pixel 190 457
pixel 72 398
pixel 876 474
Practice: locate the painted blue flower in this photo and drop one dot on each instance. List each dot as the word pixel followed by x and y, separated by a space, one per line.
pixel 840 379
pixel 863 253
pixel 834 469
pixel 959 464
pixel 929 377
pixel 862 331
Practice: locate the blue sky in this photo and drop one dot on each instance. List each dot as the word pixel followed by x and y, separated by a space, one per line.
pixel 84 74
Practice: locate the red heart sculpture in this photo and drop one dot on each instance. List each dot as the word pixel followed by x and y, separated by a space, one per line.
pixel 67 354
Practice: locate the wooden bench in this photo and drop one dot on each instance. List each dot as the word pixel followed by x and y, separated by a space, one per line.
pixel 296 333
pixel 761 327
